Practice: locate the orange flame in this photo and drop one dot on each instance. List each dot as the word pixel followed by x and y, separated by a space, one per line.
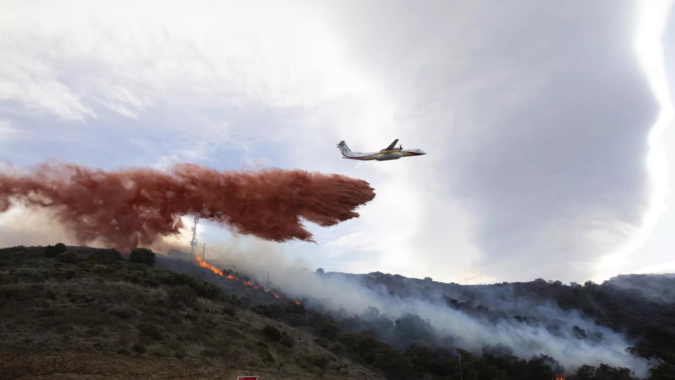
pixel 206 265
pixel 559 378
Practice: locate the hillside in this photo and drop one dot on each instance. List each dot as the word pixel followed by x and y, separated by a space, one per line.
pixel 91 312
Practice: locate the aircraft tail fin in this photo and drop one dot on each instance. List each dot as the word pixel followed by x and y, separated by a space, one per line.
pixel 344 148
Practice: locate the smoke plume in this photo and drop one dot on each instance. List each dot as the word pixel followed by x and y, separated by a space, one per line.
pixel 127 208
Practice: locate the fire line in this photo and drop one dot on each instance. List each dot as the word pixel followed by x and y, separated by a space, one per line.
pixel 206 265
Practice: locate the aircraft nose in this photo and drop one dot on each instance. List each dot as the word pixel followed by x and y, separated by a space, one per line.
pixel 422 152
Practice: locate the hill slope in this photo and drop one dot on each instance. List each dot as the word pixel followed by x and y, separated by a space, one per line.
pixel 92 312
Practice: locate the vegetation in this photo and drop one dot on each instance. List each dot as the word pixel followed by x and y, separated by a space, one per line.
pixel 68 257
pixel 92 301
pixel 142 256
pixel 55 251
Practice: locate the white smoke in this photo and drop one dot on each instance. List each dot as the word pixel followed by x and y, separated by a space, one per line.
pixel 346 292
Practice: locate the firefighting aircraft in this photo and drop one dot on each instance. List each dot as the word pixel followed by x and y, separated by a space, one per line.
pixel 388 153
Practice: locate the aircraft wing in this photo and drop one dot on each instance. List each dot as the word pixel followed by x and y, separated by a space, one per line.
pixel 392 146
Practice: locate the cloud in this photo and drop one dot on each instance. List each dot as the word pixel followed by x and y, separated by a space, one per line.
pixel 535 117
pixel 541 117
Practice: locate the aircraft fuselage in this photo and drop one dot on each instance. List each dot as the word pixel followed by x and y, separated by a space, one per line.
pixel 386 154
pixel 383 155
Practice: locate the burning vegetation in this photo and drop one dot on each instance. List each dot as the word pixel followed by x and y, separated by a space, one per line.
pixel 215 270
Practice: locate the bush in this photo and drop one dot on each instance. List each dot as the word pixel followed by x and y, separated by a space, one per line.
pixel 138 347
pixel 272 333
pixel 266 355
pixel 229 310
pixel 323 342
pixel 287 340
pixel 338 349
pixel 105 255
pixel 68 257
pixel 206 289
pixel 329 330
pixel 142 256
pixel 56 250
pixel 151 331
pixel 29 274
pixel 321 361
pixel 182 296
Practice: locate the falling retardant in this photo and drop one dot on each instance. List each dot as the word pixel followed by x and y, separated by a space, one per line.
pixel 128 208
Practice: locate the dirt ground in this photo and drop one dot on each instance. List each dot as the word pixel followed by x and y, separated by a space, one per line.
pixel 87 365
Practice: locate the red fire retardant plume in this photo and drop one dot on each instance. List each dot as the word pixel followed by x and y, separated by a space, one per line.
pixel 138 206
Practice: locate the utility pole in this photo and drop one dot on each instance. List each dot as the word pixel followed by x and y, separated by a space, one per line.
pixel 459 356
pixel 204 251
pixel 340 316
pixel 193 243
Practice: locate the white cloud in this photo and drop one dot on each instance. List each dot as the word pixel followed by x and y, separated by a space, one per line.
pixel 513 177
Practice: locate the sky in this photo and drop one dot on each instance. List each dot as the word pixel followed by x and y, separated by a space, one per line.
pixel 547 125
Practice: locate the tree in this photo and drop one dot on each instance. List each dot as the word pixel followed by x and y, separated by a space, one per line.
pixel 56 250
pixel 142 256
pixel 544 367
pixel 585 372
pixel 663 371
pixel 604 372
pixel 320 271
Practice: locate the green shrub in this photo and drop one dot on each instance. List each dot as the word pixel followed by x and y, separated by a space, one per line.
pixel 338 349
pixel 138 347
pixel 208 353
pixel 151 332
pixel 68 257
pixel 266 355
pixel 55 251
pixel 323 342
pixel 142 256
pixel 287 340
pixel 233 333
pixel 206 289
pixel 29 274
pixel 229 310
pixel 109 255
pixel 321 361
pixel 182 297
pixel 98 268
pixel 329 330
pixel 272 333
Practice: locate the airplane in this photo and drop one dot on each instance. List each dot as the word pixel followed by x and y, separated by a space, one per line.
pixel 388 153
